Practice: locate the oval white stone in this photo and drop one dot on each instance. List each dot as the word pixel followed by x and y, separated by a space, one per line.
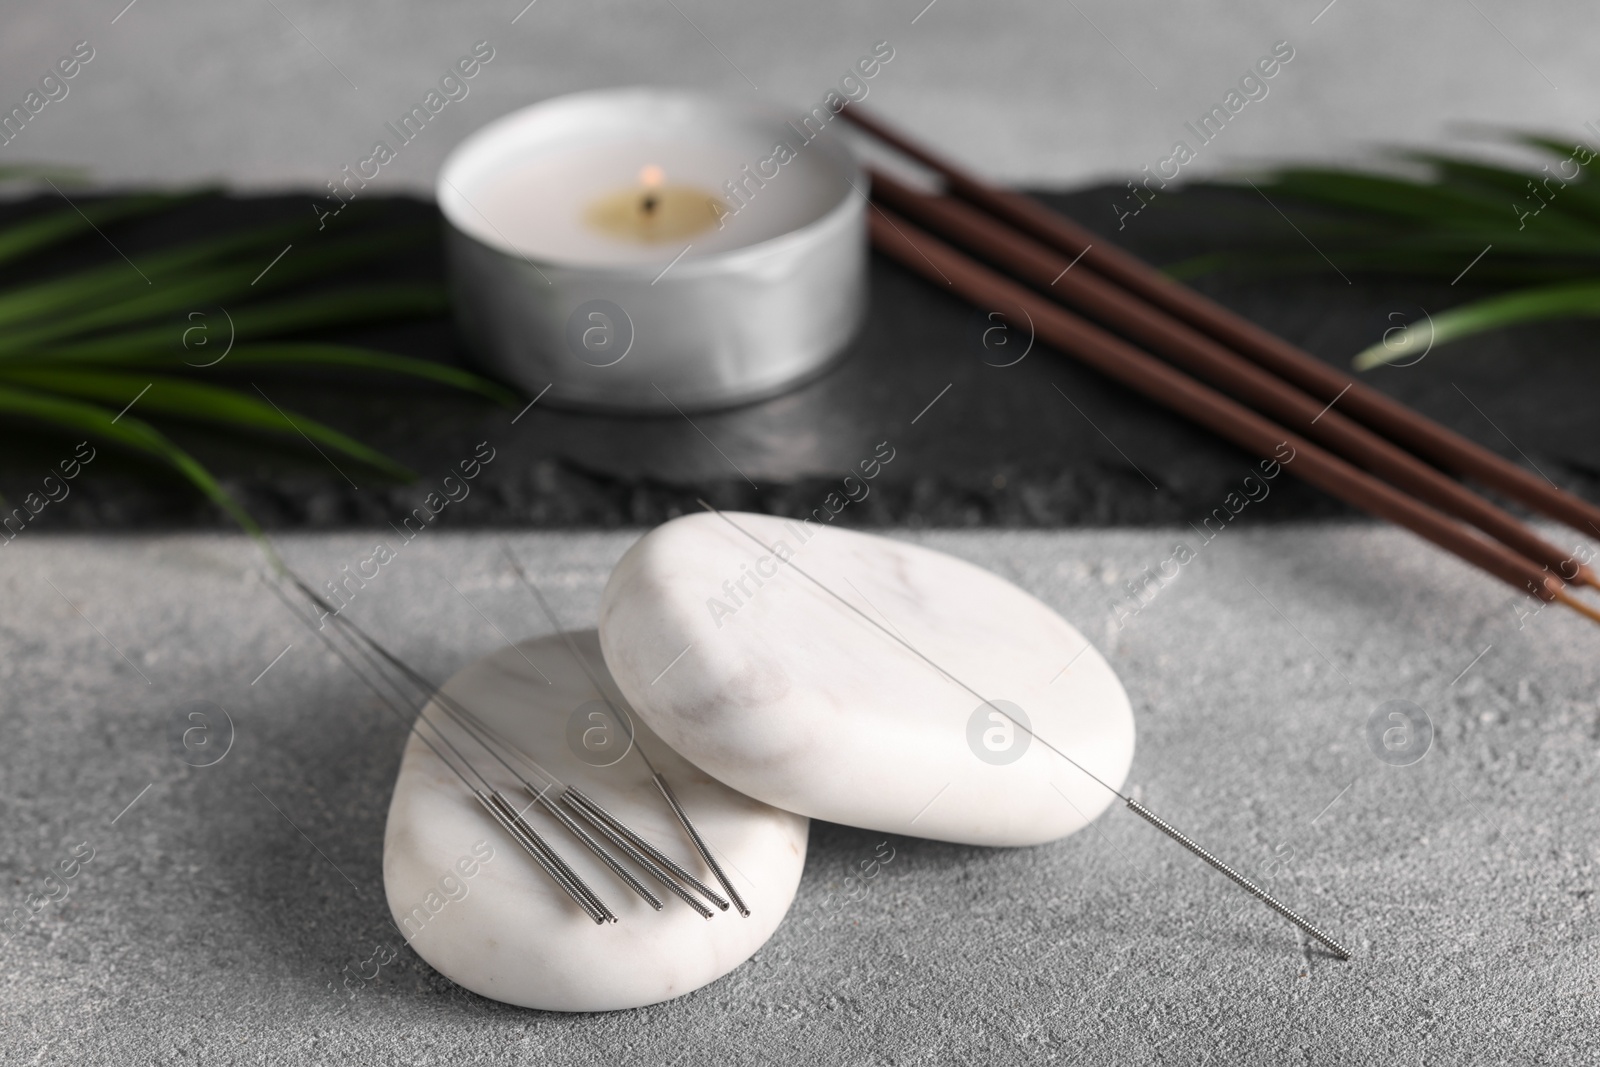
pixel 515 936
pixel 864 702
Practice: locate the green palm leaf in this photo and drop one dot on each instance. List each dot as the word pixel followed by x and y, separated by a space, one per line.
pixel 198 403
pixel 37 234
pixel 128 432
pixel 1542 304
pixel 76 346
pixel 345 307
pixel 116 280
pixel 188 281
pixel 294 354
pixel 1539 230
pixel 1384 196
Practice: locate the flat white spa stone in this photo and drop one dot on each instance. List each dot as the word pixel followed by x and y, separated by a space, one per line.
pixel 790 696
pixel 515 936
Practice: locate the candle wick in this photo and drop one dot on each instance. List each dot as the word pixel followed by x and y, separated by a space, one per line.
pixel 648 203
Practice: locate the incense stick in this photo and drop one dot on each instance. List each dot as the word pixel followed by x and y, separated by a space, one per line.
pixel 1198 353
pixel 1403 425
pixel 1117 359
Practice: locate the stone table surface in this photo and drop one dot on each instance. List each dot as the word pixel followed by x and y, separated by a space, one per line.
pixel 222 904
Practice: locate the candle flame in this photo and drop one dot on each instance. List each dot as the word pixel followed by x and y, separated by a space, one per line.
pixel 652 177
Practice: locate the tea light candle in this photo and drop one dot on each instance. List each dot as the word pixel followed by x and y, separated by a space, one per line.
pixel 639 249
pixel 655 211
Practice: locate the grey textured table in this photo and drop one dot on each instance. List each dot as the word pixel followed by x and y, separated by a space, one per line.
pixel 210 927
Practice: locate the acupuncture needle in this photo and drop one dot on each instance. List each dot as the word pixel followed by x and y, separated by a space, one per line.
pixel 639 848
pixel 624 837
pixel 630 841
pixel 482 734
pixel 492 801
pixel 617 832
pixel 478 731
pixel 1133 805
pixel 498 807
pixel 643 852
pixel 530 842
pixel 661 783
pixel 501 807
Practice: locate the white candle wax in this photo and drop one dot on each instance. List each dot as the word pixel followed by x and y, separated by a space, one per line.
pixel 531 194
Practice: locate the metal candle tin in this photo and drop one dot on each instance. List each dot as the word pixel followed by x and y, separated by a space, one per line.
pixel 732 323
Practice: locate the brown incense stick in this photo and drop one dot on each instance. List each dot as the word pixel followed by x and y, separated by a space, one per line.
pixel 926 255
pixel 1198 353
pixel 1389 417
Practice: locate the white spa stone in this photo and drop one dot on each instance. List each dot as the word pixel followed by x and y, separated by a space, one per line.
pixel 778 689
pixel 515 936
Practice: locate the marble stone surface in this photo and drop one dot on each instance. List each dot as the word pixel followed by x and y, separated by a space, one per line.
pixel 866 681
pixel 477 908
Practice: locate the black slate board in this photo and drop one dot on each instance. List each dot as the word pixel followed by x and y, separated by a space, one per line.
pixel 1002 446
